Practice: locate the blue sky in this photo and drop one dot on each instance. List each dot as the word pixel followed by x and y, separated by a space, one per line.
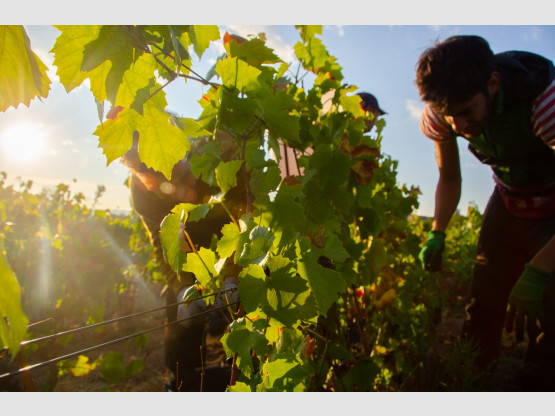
pixel 377 59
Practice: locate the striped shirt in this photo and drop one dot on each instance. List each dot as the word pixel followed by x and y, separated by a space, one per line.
pixel 434 126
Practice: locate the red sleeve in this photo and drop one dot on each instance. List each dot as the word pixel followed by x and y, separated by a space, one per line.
pixel 543 115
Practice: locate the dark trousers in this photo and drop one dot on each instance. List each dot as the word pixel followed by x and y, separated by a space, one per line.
pixel 506 243
pixel 182 350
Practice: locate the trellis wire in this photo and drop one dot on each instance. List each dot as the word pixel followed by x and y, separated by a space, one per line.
pixel 74 354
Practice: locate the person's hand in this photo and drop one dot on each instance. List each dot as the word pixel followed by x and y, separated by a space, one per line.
pixel 525 301
pixel 193 306
pixel 430 255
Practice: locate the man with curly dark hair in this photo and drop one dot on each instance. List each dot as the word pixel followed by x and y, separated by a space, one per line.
pixel 504 106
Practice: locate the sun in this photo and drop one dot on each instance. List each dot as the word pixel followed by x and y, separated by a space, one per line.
pixel 23 142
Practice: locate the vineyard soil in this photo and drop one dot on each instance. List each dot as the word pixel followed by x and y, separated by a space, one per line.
pixel 439 375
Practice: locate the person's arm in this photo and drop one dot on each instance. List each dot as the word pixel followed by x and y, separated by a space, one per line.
pixel 545 258
pixel 448 190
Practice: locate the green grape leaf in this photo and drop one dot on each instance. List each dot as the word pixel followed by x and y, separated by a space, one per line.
pixel 68 58
pixel 115 136
pixel 22 74
pixel 376 257
pixel 236 73
pixel 138 80
pixel 13 322
pixel 252 287
pixel 204 165
pixel 288 297
pixel 324 283
pixel 334 249
pixel 236 113
pixel 201 264
pixel 194 212
pixel 191 127
pixel 256 251
pixel 111 367
pixel 114 45
pixel 352 105
pixel 230 241
pixel 285 375
pixel 202 35
pixel 242 341
pixel 254 51
pixel 161 144
pixel 360 377
pixel 277 369
pixel 226 174
pixel 239 387
pixel 279 116
pixel 284 214
pixel 171 239
pixel 309 31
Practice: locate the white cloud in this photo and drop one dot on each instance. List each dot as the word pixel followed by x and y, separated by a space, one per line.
pixel 534 35
pixel 415 109
pixel 338 29
pixel 67 143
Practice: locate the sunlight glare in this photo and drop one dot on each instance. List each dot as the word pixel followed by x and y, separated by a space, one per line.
pixel 23 142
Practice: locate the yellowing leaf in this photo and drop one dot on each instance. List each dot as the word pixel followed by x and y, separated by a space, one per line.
pixel 68 58
pixel 201 264
pixel 139 77
pixel 236 73
pixel 22 74
pixel 201 36
pixel 161 144
pixel 115 136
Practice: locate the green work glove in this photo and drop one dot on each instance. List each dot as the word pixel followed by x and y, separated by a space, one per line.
pixel 430 255
pixel 525 300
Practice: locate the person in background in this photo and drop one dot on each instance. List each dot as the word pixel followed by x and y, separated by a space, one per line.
pixel 288 156
pixel 504 106
pixel 152 197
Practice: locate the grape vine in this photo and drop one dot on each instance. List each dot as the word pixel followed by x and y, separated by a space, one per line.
pixel 332 295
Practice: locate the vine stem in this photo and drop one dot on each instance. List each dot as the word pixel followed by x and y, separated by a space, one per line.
pixel 231 215
pixel 197 253
pixel 246 175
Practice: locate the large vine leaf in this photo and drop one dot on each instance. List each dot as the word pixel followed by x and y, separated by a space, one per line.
pixel 136 83
pixel 226 174
pixel 202 35
pixel 13 322
pixel 236 73
pixel 284 375
pixel 22 74
pixel 201 264
pixel 171 238
pixel 279 116
pixel 68 59
pixel 254 51
pixel 114 45
pixel 115 136
pixel 231 240
pixel 161 143
pixel 326 284
pixel 252 287
pixel 242 341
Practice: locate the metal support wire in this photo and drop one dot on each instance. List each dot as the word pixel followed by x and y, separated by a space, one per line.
pixel 110 321
pixel 74 354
